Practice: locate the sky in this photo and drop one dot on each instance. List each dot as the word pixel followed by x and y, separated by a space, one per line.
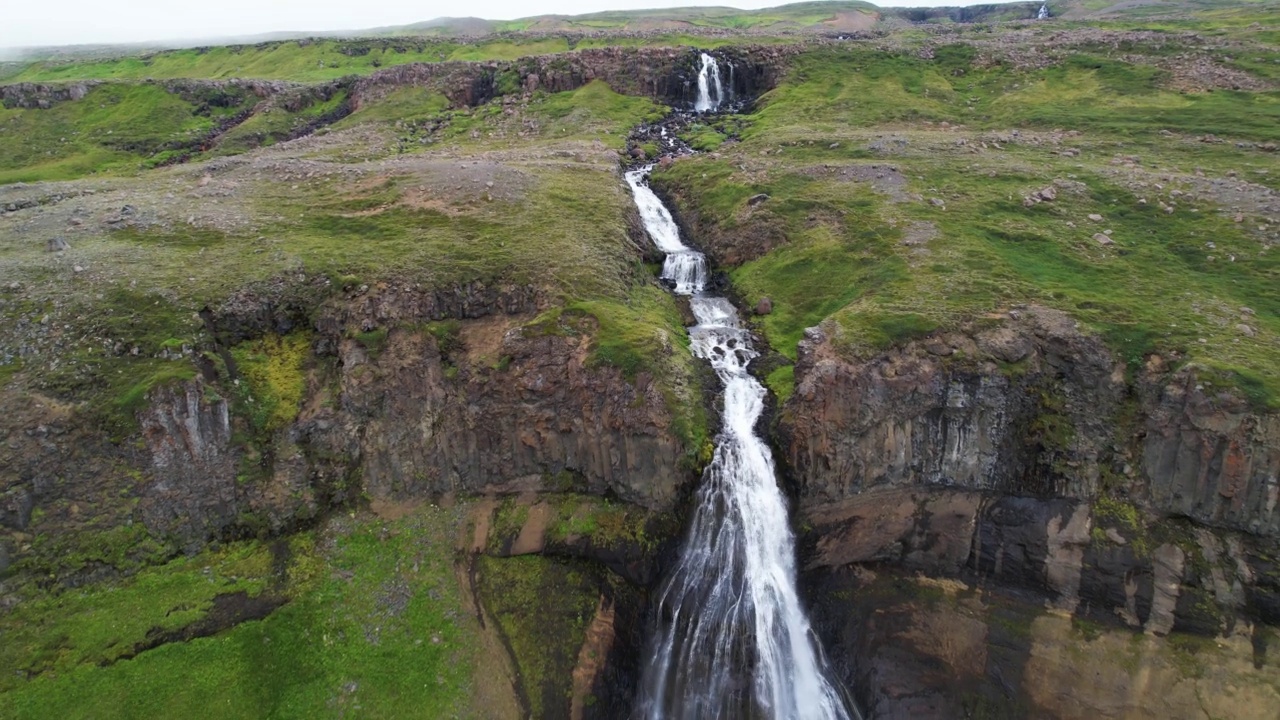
pixel 27 23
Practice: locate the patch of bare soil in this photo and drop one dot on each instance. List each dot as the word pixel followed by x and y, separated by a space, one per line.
pixel 851 21
pixel 884 179
pixel 482 337
pixel 592 658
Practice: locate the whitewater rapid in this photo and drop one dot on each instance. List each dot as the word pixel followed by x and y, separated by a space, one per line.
pixel 731 640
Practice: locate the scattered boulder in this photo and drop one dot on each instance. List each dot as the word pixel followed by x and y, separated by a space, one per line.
pixel 1103 240
pixel 1048 194
pixel 757 199
pixel 764 307
pixel 58 244
pixel 1095 217
pixel 937 202
pixel 1246 330
pixel 1005 344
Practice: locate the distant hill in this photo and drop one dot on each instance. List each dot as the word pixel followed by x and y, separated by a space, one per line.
pixel 816 17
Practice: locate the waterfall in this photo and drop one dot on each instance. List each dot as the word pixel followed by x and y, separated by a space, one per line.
pixel 710 89
pixel 1044 12
pixel 732 641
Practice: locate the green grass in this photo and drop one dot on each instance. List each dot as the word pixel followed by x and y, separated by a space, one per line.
pixel 594 110
pixel 404 104
pixel 1161 288
pixel 510 50
pixel 305 61
pixel 57 633
pixel 376 622
pixel 828 90
pixel 821 268
pixel 278 123
pixel 111 379
pixel 115 127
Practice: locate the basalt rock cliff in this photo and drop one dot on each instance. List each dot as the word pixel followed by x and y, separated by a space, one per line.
pixel 1017 458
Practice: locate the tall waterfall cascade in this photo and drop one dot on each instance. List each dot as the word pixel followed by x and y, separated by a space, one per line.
pixel 711 89
pixel 731 639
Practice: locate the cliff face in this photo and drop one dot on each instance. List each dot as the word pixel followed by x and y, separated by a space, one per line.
pixel 1017 456
pixel 482 405
pixel 1029 406
pixel 665 74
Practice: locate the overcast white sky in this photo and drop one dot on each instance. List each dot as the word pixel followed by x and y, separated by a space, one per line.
pixel 27 23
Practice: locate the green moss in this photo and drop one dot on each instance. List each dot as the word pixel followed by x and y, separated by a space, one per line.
pixel 373 341
pixel 8 371
pixel 594 109
pixel 272 379
pixel 542 607
pixel 605 523
pixel 133 399
pixel 448 335
pixel 1126 518
pixel 704 138
pixel 782 382
pixel 375 621
pixel 508 521
pixel 1190 652
pixel 60 632
pixel 645 334
pixel 639 335
pixel 122 548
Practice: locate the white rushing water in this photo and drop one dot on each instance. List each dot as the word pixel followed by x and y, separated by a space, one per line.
pixel 1044 12
pixel 732 641
pixel 710 88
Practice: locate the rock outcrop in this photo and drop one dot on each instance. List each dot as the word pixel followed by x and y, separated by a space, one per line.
pixel 667 75
pixel 484 404
pixel 1016 455
pixel 926 649
pixel 1029 405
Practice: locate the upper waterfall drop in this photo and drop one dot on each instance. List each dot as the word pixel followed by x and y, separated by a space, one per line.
pixel 710 87
pixel 1044 12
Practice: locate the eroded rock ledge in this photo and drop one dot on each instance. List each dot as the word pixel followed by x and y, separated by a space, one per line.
pixel 484 405
pixel 1029 405
pixel 1015 466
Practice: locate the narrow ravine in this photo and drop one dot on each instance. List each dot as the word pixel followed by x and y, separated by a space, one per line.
pixel 731 639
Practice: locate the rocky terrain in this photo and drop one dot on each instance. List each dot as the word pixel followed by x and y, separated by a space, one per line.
pixel 334 387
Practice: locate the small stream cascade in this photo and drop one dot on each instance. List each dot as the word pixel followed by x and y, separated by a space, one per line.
pixel 711 86
pixel 1043 14
pixel 731 641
